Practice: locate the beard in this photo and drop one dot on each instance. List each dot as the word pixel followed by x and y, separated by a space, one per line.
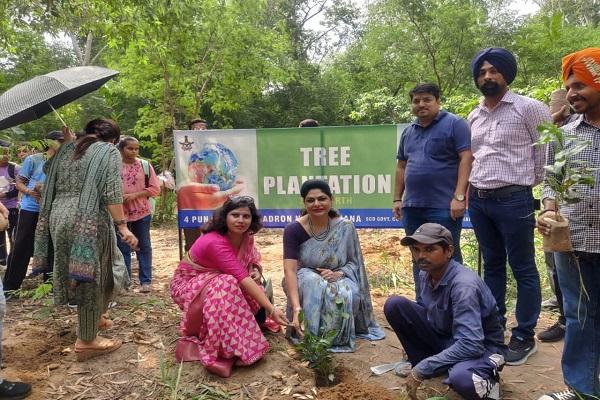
pixel 490 89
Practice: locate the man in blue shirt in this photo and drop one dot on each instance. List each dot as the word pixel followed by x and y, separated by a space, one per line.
pixel 432 173
pixel 29 182
pixel 457 327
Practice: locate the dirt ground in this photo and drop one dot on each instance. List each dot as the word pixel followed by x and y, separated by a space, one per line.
pixel 39 338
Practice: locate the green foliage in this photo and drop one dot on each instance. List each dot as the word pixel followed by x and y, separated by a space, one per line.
pixel 543 40
pixel 394 276
pixel 42 291
pixel 166 207
pixel 315 350
pixel 565 173
pixel 461 104
pixel 379 107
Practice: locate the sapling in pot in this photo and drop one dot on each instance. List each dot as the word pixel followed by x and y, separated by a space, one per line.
pixel 563 177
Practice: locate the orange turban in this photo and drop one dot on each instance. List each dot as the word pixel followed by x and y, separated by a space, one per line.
pixel 585 65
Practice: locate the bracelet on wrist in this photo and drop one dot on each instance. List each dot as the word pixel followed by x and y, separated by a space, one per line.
pixel 119 222
pixel 297 309
pixel 395 200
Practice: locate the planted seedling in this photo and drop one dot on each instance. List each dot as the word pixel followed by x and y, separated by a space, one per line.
pixel 315 350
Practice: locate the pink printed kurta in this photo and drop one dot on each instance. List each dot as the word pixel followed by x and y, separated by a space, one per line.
pixel 225 327
pixel 134 181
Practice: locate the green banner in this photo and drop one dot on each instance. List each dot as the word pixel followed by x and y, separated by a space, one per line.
pixel 357 161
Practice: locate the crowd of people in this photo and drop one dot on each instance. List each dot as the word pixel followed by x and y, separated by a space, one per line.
pixel 82 207
pixel 78 203
pixel 457 323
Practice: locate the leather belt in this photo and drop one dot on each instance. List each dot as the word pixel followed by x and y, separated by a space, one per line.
pixel 499 192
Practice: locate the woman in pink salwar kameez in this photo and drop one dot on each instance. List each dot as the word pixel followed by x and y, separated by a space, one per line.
pixel 215 286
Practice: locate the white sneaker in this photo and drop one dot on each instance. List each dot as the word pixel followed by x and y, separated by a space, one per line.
pixel 564 395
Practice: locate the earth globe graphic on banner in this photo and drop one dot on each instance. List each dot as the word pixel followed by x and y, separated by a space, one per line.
pixel 214 164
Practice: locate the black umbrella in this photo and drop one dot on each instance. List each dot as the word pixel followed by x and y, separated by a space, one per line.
pixel 43 94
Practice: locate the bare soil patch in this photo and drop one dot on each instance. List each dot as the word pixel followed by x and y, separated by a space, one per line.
pixel 39 338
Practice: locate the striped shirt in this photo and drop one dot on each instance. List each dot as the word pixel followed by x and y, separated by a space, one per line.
pixel 584 216
pixel 502 142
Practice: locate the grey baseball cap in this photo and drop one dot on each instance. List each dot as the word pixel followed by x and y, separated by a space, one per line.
pixel 428 233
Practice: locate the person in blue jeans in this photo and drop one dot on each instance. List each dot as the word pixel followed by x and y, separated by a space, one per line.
pixel 432 172
pixel 29 182
pixel 139 185
pixel 506 167
pixel 456 329
pixel 579 270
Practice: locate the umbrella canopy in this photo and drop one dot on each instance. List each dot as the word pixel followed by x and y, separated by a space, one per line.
pixel 39 96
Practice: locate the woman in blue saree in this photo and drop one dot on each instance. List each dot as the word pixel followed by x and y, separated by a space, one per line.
pixel 325 274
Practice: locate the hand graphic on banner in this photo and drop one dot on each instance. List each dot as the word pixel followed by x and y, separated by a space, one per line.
pixel 203 196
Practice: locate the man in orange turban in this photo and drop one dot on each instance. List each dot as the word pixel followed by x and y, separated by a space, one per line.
pixel 585 65
pixel 579 270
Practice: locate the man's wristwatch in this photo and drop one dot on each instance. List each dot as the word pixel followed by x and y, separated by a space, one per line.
pixel 459 197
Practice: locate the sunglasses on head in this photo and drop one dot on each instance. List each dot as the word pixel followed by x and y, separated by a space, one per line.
pixel 241 199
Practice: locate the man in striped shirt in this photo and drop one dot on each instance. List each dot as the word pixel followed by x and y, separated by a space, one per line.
pixel 505 169
pixel 579 270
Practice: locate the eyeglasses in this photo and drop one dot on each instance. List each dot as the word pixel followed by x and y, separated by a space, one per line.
pixel 241 199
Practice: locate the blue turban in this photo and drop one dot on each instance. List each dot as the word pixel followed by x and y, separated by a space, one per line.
pixel 500 58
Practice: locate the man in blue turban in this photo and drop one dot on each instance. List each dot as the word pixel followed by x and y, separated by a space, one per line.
pixel 502 59
pixel 505 168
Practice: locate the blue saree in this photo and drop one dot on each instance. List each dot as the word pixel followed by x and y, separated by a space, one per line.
pixel 343 306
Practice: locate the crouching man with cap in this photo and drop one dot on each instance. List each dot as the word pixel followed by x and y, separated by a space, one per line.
pixel 457 329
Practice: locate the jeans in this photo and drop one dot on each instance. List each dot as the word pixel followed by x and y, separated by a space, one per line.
pixel 20 254
pixel 504 229
pixel 581 352
pixel 141 230
pixel 414 217
pixel 553 275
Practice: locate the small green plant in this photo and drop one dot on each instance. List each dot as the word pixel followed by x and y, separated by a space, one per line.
pixel 565 173
pixel 40 292
pixel 170 377
pixel 315 350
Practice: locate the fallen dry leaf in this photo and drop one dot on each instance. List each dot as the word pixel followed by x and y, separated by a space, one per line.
pixel 277 375
pixel 286 391
pixel 263 395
